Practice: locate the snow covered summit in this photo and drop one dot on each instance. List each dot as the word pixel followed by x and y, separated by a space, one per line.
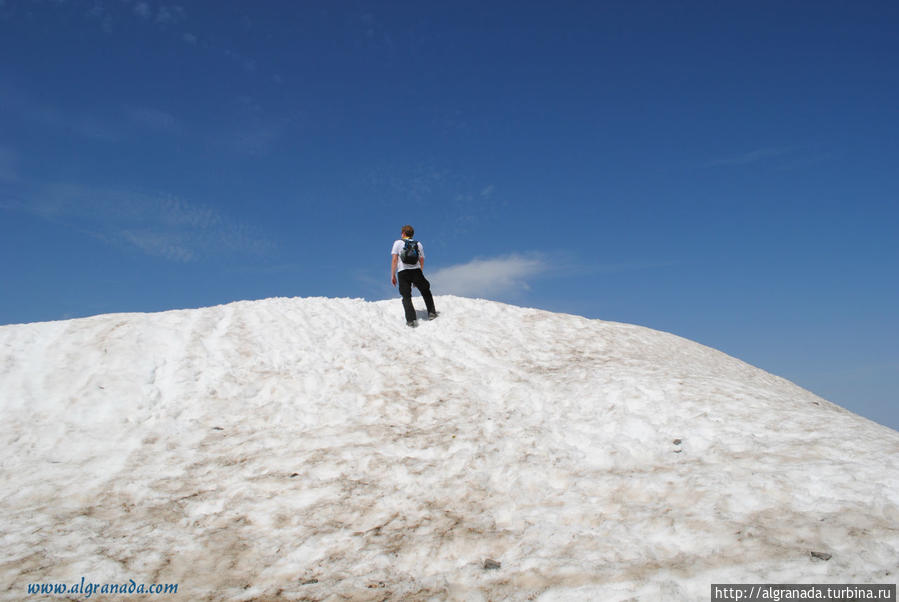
pixel 318 449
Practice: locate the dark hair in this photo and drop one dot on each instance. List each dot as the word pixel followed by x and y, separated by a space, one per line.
pixel 408 231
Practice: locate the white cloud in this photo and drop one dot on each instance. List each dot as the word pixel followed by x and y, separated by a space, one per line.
pixel 494 277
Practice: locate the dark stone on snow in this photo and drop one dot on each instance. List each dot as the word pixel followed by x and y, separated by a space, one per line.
pixel 491 564
pixel 821 555
pixel 677 441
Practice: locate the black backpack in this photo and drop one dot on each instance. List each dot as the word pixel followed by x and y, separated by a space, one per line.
pixel 409 254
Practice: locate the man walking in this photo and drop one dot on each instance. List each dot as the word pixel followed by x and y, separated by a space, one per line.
pixel 406 265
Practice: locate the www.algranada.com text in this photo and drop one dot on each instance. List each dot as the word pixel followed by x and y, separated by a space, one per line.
pixel 88 589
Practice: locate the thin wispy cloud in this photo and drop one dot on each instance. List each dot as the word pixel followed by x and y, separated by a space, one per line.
pixel 169 14
pixel 79 124
pixel 171 20
pixel 110 124
pixel 161 244
pixel 472 210
pixel 9 161
pixel 254 137
pixel 153 119
pixel 23 107
pixel 490 278
pixel 370 29
pixel 159 225
pixel 419 183
pixel 111 14
pixel 464 205
pixel 748 158
pixel 249 132
pixel 142 10
pixel 246 63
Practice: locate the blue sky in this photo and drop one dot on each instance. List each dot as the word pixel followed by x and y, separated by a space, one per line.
pixel 725 171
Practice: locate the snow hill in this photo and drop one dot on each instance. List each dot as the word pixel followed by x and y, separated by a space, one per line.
pixel 317 449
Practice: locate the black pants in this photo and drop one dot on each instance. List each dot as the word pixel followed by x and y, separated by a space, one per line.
pixel 405 280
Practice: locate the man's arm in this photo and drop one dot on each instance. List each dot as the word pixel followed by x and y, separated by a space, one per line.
pixel 393 269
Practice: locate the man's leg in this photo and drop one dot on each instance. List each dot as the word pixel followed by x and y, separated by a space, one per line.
pixel 405 284
pixel 424 287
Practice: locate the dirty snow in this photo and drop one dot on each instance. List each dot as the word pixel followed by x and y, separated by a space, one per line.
pixel 318 449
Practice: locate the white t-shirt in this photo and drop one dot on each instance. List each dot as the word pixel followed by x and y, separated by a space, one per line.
pixel 400 265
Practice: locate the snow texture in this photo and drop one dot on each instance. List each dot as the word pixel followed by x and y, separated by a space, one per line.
pixel 317 449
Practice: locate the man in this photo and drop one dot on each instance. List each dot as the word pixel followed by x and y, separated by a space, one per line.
pixel 408 274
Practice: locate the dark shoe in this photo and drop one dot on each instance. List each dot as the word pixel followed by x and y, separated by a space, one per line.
pixel 412 324
pixel 432 315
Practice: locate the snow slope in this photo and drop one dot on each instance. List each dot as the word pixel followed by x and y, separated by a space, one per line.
pixel 319 449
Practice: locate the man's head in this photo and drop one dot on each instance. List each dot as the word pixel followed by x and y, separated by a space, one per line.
pixel 408 231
